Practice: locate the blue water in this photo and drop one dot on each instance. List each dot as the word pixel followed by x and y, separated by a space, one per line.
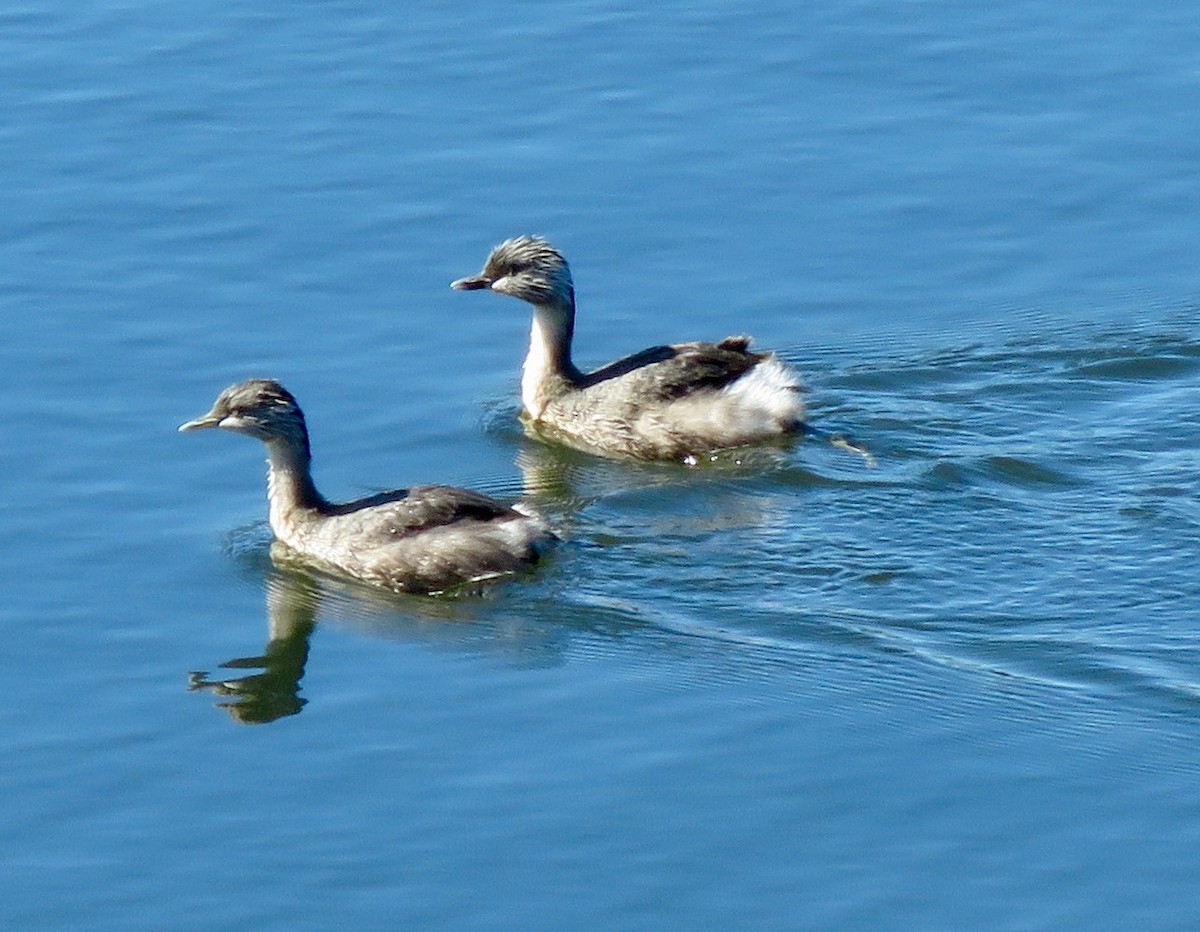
pixel 950 681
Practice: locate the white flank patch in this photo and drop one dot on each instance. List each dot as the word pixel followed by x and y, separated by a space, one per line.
pixel 760 405
pixel 769 389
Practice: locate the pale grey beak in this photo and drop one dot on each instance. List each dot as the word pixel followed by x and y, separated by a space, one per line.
pixel 207 420
pixel 471 283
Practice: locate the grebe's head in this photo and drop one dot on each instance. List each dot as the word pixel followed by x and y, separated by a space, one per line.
pixel 259 408
pixel 526 267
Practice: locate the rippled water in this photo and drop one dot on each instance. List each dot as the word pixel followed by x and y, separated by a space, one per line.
pixel 934 665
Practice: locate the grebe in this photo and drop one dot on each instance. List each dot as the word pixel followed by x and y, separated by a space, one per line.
pixel 667 402
pixel 425 539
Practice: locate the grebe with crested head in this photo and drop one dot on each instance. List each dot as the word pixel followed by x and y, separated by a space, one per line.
pixel 425 539
pixel 668 402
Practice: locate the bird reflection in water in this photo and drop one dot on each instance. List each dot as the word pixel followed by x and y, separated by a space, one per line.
pixel 257 698
pixel 469 619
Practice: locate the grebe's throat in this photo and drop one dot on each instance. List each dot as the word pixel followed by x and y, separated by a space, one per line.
pixel 548 370
pixel 290 488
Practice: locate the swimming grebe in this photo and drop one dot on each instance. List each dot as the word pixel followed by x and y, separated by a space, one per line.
pixel 424 539
pixel 667 402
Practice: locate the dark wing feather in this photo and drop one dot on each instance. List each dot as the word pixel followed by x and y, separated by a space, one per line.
pixel 408 511
pixel 667 372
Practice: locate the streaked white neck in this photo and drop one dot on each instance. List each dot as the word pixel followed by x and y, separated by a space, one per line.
pixel 290 489
pixel 548 361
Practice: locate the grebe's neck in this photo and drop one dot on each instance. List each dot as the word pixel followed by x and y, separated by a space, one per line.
pixel 548 371
pixel 291 495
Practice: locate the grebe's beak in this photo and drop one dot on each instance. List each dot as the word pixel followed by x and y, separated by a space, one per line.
pixel 208 420
pixel 472 283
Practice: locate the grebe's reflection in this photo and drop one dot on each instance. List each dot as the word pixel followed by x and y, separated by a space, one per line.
pixel 495 620
pixel 292 600
pixel 295 593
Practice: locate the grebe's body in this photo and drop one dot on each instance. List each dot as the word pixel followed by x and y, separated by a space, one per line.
pixel 423 539
pixel 668 402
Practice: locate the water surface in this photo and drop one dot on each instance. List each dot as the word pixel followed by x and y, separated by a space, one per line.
pixel 948 681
